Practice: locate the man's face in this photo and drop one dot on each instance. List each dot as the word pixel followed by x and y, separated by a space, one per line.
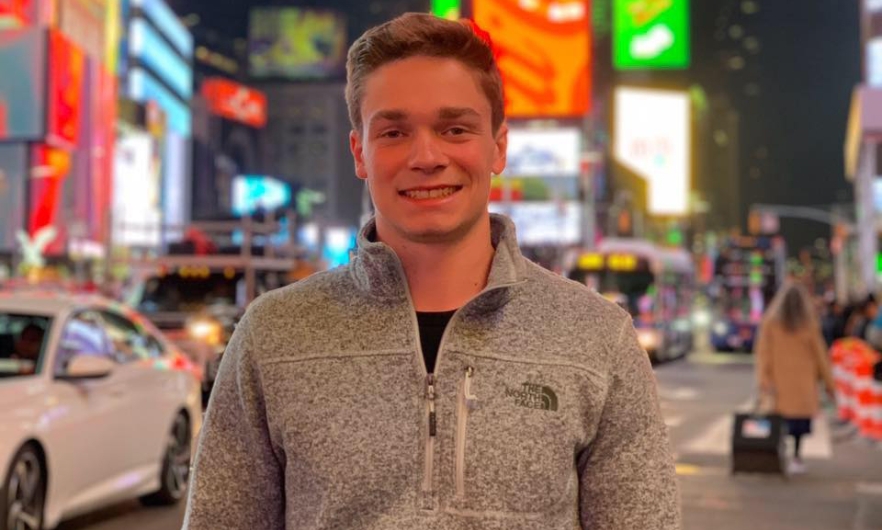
pixel 29 343
pixel 427 149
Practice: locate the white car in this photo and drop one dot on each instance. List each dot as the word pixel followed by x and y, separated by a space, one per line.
pixel 96 407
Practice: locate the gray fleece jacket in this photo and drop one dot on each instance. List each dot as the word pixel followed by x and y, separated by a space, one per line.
pixel 542 413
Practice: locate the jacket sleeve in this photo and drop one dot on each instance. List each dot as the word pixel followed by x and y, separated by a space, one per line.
pixel 627 478
pixel 762 353
pixel 237 482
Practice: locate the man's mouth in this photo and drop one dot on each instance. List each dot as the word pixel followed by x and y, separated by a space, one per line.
pixel 434 193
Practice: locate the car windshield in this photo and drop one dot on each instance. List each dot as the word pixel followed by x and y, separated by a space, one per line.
pixel 23 341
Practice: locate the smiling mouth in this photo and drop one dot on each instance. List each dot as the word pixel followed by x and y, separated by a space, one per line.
pixel 436 193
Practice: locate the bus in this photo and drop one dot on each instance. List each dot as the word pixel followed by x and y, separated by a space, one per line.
pixel 654 284
pixel 747 273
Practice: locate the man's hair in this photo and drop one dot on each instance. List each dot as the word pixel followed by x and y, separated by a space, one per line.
pixel 419 34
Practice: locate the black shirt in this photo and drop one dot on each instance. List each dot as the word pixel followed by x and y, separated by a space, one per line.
pixel 432 326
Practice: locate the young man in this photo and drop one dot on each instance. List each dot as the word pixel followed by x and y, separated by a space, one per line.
pixel 440 381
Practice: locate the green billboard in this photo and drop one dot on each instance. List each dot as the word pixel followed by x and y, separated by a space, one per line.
pixel 449 9
pixel 650 34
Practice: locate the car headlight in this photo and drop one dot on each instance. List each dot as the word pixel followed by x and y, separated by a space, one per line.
pixel 205 330
pixel 720 328
pixel 648 339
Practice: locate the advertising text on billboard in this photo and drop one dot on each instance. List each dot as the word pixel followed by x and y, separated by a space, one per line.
pixel 235 102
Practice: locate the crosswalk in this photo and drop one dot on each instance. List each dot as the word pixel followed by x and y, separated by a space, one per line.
pixel 716 437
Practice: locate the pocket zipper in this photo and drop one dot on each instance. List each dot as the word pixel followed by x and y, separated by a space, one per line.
pixel 467 402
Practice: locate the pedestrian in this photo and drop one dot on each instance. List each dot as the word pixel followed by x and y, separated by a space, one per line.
pixel 791 359
pixel 440 380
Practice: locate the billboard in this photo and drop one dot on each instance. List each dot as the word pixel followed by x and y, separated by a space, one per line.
pixel 256 192
pixel 544 223
pixel 543 152
pixel 449 9
pixel 136 191
pixel 165 19
pixel 152 50
pixel 67 75
pixel 296 43
pixel 16 13
pixel 235 102
pixel 22 84
pixel 143 87
pixel 651 137
pixel 84 23
pixel 650 34
pixel 544 53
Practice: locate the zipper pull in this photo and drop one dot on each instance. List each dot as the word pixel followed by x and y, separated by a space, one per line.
pixel 470 399
pixel 430 395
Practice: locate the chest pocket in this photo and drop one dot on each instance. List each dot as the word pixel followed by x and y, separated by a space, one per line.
pixel 516 428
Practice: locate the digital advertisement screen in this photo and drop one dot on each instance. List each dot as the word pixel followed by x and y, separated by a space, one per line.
pixel 295 43
pixel 544 223
pixel 164 18
pixel 137 180
pixel 235 102
pixel 650 34
pixel 543 153
pixel 143 87
pixel 22 84
pixel 449 9
pixel 544 54
pixel 67 73
pixel 651 137
pixel 152 50
pixel 15 14
pixel 253 192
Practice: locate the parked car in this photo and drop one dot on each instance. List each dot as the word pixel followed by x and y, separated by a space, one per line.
pixel 96 407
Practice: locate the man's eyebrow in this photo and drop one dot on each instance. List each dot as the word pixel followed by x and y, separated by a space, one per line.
pixel 453 113
pixel 388 115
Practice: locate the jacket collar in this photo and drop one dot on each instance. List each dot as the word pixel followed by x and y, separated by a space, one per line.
pixel 376 269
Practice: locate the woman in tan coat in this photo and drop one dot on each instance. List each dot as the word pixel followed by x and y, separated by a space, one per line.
pixel 791 359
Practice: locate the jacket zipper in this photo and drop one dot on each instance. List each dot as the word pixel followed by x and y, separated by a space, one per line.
pixel 431 429
pixel 428 495
pixel 466 402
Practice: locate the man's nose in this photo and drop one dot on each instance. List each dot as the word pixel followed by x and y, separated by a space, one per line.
pixel 427 152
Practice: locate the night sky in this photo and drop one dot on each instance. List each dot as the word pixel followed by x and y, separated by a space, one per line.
pixel 807 67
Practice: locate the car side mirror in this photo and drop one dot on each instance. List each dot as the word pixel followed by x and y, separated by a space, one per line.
pixel 87 367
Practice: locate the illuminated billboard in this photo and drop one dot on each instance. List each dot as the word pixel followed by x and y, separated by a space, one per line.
pixel 22 84
pixel 651 137
pixel 137 214
pixel 544 54
pixel 235 102
pixel 165 19
pixel 67 72
pixel 16 13
pixel 254 192
pixel 544 223
pixel 296 43
pixel 152 50
pixel 543 152
pixel 449 9
pixel 650 34
pixel 143 87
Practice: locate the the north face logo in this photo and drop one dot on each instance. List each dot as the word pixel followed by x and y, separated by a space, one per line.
pixel 533 396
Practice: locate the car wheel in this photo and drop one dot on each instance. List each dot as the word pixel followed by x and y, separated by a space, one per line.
pixel 24 492
pixel 175 469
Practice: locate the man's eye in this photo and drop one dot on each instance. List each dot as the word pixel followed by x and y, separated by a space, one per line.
pixel 456 131
pixel 391 134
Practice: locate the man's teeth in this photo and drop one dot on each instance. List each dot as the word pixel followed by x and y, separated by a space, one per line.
pixel 430 194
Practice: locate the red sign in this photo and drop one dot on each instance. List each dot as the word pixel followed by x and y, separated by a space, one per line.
pixel 67 68
pixel 15 13
pixel 235 102
pixel 50 167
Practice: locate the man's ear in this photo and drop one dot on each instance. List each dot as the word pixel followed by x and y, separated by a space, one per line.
pixel 501 150
pixel 357 148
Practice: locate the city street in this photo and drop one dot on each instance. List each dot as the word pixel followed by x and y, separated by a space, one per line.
pixel 698 397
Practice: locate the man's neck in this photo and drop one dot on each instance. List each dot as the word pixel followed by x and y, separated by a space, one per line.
pixel 445 276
